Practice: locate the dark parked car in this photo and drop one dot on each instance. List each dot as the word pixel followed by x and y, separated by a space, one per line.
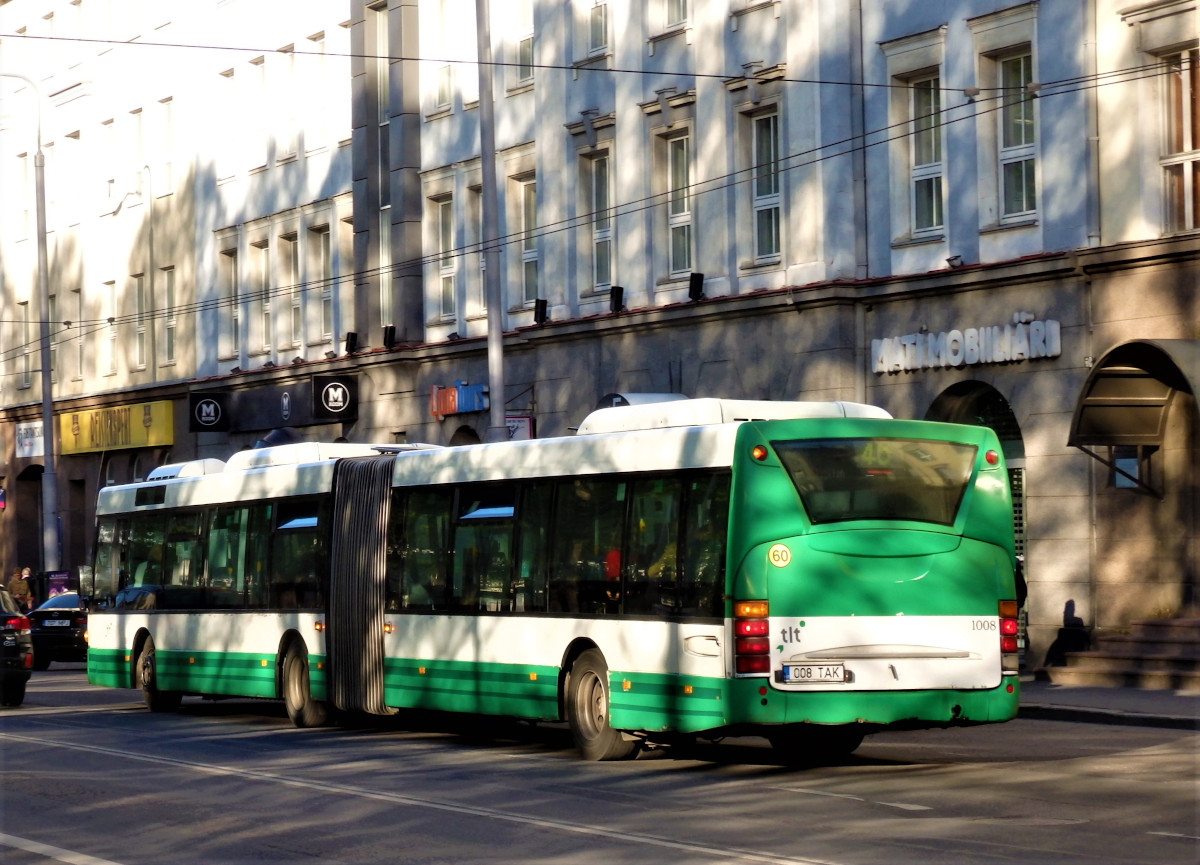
pixel 59 630
pixel 16 651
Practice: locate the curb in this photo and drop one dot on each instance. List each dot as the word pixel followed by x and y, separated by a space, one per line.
pixel 1039 712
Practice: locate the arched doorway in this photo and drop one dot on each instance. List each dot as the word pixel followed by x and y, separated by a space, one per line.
pixel 464 435
pixel 978 404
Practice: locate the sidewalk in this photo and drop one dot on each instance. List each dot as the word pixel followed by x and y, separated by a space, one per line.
pixel 1130 706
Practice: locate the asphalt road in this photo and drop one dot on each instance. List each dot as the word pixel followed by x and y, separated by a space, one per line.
pixel 90 777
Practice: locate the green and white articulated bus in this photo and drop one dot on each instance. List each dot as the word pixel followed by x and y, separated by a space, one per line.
pixel 809 572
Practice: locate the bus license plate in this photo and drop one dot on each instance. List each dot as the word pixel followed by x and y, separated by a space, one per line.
pixel 811 674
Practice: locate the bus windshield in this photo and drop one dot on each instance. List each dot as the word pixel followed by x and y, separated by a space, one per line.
pixel 878 479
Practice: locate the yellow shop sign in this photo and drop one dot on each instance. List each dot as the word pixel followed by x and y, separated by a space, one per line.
pixel 147 424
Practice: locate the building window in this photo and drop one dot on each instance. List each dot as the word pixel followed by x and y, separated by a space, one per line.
pixel 524 47
pixel 602 221
pixel 1181 160
pixel 113 330
pixel 262 297
pixel 529 241
pixel 26 346
pixel 446 257
pixel 324 269
pixel 598 28
pixel 1130 466
pixel 231 298
pixel 926 151
pixel 169 314
pixel 79 340
pixel 766 186
pixel 677 13
pixel 143 315
pixel 1017 136
pixel 53 310
pixel 679 204
pixel 290 249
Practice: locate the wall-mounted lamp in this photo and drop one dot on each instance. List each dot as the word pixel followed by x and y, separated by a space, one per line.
pixel 269 365
pixel 235 370
pixel 696 286
pixel 541 311
pixel 955 261
pixel 351 342
pixel 330 355
pixel 297 360
pixel 454 337
pixel 389 336
pixel 616 299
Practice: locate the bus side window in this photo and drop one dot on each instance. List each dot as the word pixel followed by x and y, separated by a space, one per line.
pixel 225 587
pixel 182 563
pixel 650 576
pixel 533 541
pixel 424 549
pixel 702 580
pixel 252 554
pixel 587 546
pixel 146 536
pixel 394 558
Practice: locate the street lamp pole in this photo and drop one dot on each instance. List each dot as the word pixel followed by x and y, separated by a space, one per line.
pixel 50 560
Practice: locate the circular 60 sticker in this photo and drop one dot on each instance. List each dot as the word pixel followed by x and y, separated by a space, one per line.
pixel 779 555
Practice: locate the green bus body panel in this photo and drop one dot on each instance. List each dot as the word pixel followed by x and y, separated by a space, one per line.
pixel 926 707
pixel 457 686
pixel 226 673
pixel 108 668
pixel 652 701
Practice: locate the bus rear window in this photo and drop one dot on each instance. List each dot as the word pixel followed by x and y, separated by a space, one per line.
pixel 878 479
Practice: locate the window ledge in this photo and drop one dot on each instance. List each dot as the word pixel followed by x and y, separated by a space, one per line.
pixel 440 112
pixel 518 89
pixel 924 240
pixel 676 30
pixel 1009 226
pixel 759 264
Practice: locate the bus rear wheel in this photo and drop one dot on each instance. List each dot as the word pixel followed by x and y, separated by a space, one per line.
pixel 302 709
pixel 587 710
pixel 147 680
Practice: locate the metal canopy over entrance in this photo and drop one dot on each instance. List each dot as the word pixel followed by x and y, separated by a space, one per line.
pixel 1127 397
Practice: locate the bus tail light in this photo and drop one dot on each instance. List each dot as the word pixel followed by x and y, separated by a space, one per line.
pixel 752 648
pixel 1009 659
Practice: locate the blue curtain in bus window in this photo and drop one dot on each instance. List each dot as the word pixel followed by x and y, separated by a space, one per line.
pixel 424 548
pixel 183 563
pixel 533 548
pixel 297 556
pixel 585 572
pixel 653 548
pixel 481 568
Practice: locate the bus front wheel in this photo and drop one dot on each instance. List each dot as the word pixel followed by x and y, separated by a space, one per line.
pixel 147 679
pixel 302 709
pixel 587 710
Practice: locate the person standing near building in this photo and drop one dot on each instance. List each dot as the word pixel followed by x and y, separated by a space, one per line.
pixel 18 587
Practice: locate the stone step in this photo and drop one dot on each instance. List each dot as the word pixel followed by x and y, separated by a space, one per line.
pixel 1124 678
pixel 1144 645
pixel 1105 659
pixel 1183 629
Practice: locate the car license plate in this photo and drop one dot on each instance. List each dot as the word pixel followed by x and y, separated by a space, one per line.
pixel 812 674
pixel 57 623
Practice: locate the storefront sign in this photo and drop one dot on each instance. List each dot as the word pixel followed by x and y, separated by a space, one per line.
pixel 520 427
pixel 209 412
pixel 460 398
pixel 29 440
pixel 1026 338
pixel 334 398
pixel 147 424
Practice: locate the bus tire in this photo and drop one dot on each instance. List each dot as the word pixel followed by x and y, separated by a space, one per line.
pixel 302 709
pixel 815 745
pixel 587 710
pixel 147 680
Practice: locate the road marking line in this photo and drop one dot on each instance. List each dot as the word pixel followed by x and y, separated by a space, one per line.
pixel 905 806
pixel 459 808
pixel 1176 835
pixel 68 856
pixel 810 792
